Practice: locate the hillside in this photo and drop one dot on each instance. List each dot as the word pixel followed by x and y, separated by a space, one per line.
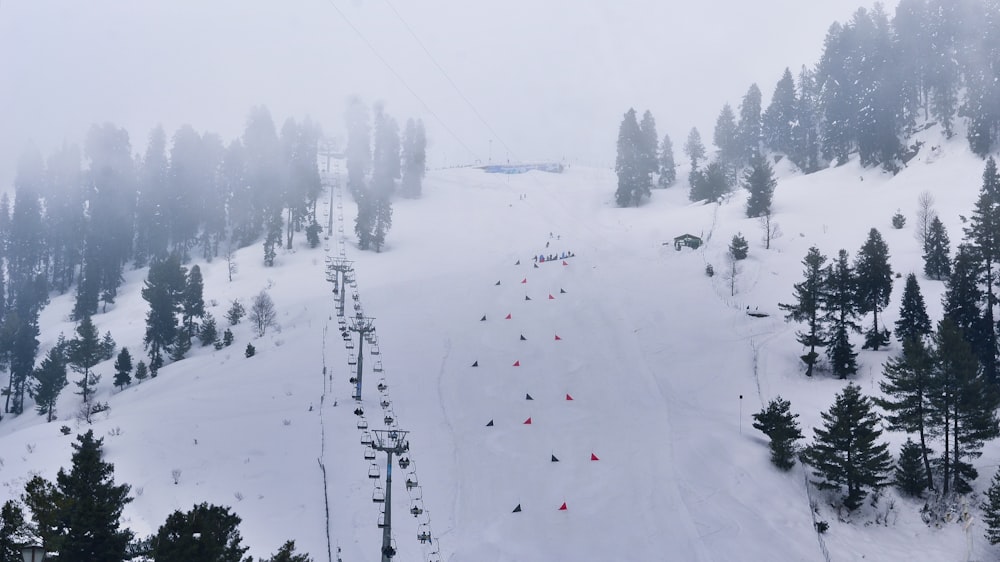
pixel 654 354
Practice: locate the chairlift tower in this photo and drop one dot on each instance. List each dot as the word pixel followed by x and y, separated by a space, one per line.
pixel 338 272
pixel 363 325
pixel 392 442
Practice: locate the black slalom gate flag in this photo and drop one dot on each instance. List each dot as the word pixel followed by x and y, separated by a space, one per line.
pixel 528 397
pixel 483 319
pixel 554 459
pixel 490 424
pixel 476 364
pixel 523 338
pixel 517 509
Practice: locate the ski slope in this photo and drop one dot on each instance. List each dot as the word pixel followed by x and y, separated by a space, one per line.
pixel 654 354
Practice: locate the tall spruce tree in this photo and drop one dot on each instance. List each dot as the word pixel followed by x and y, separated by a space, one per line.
pixel 14 532
pixel 908 380
pixel 937 247
pixel 759 181
pixel 629 165
pixel 78 518
pixel 123 368
pixel 961 407
pixel 163 291
pixel 668 169
pixel 84 352
pixel 694 149
pixel 748 131
pixel 840 311
pixel 910 476
pixel 414 159
pixel 206 532
pixel 807 307
pixel 780 116
pixel 50 379
pixel 991 510
pixel 726 140
pixel 983 234
pixel 192 301
pixel 963 296
pixel 874 285
pixel 913 322
pixel 649 163
pixel 778 422
pixel 845 452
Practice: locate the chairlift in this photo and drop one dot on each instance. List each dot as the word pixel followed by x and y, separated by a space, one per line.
pixel 352 361
pixel 381 387
pixel 362 423
pixel 385 404
pixel 373 471
pixel 375 350
pixel 378 367
pixel 416 510
pixel 388 420
pixel 378 495
pixel 366 439
pixel 381 520
pixel 349 344
pixel 404 462
pixel 353 380
pixel 369 454
pixel 424 533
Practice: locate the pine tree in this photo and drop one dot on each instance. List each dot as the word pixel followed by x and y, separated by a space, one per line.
pixel 235 313
pixel 778 119
pixel 805 128
pixel 910 477
pixel 272 238
pixel 50 379
pixel 913 322
pixel 908 382
pixel 108 346
pixel 778 423
pixel 163 290
pixel 840 309
pixel 694 149
pixel 78 517
pixel 983 234
pixel 414 159
pixel 748 131
pixel 937 263
pixel 668 169
pixel 649 163
pixel 710 184
pixel 991 510
pixel 963 296
pixel 141 371
pixel 209 333
pixel 759 181
pixel 725 138
pixel 206 532
pixel 739 248
pixel 192 301
pixel 13 531
pixel 873 275
pixel 123 369
pixel 287 554
pixel 182 344
pixel 961 407
pixel 250 351
pixel 629 164
pixel 808 306
pixel 84 352
pixel 845 453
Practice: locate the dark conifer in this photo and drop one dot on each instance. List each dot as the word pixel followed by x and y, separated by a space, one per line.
pixel 163 290
pixel 628 164
pixel 808 306
pixel 14 531
pixel 192 301
pixel 845 452
pixel 759 181
pixel 668 169
pixel 874 285
pixel 739 248
pixel 206 532
pixel 208 334
pixel 780 116
pixel 909 379
pixel 778 423
pixel 913 322
pixel 991 510
pixel 123 368
pixel 910 477
pixel 840 309
pixel 84 352
pixel 50 379
pixel 937 249
pixel 748 131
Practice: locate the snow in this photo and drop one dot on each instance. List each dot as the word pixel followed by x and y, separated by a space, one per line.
pixel 655 354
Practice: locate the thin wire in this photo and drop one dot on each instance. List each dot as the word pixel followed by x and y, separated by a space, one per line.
pixel 400 78
pixel 447 77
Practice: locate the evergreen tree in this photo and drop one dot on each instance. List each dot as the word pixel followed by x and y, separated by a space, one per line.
pixel 272 238
pixel 668 169
pixel 250 351
pixel 780 116
pixel 908 382
pixel 192 301
pixel 78 517
pixel 358 151
pixel 808 306
pixel 748 132
pixel 961 407
pixel 141 371
pixel 910 477
pixel 364 223
pixel 710 184
pixel 50 379
pixel 806 129
pixel 913 322
pixel 759 181
pixel 629 164
pixel 123 369
pixel 385 171
pixel 991 510
pixel 778 423
pixel 840 309
pixel 694 149
pixel 649 164
pixel 206 532
pixel 963 295
pixel 235 313
pixel 13 532
pixel 739 248
pixel 209 333
pixel 84 352
pixel 19 347
pixel 260 177
pixel 182 344
pixel 227 338
pixel 937 263
pixel 287 554
pixel 107 346
pixel 845 453
pixel 725 138
pixel 163 290
pixel 414 159
pixel 983 234
pixel 873 275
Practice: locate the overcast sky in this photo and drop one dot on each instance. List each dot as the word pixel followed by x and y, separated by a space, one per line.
pixel 552 78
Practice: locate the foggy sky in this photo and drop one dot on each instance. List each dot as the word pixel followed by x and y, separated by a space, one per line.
pixel 551 77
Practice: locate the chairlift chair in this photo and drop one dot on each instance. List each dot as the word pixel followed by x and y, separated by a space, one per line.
pixel 385 404
pixel 404 462
pixel 411 483
pixel 369 454
pixel 378 495
pixel 424 533
pixel 349 344
pixel 352 362
pixel 381 387
pixel 375 350
pixel 366 439
pixel 388 420
pixel 373 471
pixel 416 510
pixel 381 520
pixel 362 423
pixel 378 366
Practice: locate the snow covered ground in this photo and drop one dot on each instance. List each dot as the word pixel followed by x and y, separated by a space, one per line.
pixel 654 354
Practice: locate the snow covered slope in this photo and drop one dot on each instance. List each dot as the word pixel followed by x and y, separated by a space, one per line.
pixel 654 354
